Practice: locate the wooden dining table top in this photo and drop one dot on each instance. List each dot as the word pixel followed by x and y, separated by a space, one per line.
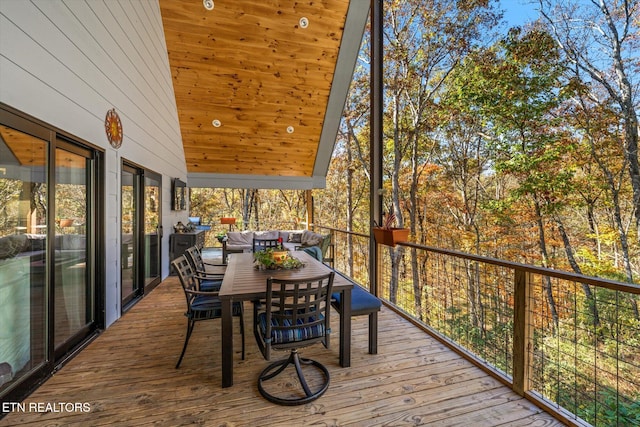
pixel 242 280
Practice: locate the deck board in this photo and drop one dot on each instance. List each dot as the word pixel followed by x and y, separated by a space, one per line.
pixel 127 375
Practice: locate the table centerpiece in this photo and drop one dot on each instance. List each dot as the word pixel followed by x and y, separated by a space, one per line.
pixel 275 259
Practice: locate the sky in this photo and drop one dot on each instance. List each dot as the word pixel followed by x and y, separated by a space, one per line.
pixel 517 12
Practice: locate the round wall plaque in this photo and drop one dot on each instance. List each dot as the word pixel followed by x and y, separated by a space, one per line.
pixel 113 128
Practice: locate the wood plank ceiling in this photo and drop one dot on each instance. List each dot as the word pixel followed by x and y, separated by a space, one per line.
pixel 254 70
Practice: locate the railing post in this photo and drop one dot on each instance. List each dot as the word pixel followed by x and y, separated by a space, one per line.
pixel 521 332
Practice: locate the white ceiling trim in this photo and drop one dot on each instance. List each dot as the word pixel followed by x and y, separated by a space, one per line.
pixel 212 180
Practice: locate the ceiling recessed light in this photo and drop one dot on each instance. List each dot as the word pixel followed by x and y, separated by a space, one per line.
pixel 216 123
pixel 290 129
pixel 304 22
pixel 208 4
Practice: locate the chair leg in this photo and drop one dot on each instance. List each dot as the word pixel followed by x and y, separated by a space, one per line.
pixel 303 381
pixel 190 326
pixel 297 361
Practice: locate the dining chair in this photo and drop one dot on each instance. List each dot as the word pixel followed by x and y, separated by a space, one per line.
pixel 261 244
pixel 208 280
pixel 294 314
pixel 201 305
pixel 209 267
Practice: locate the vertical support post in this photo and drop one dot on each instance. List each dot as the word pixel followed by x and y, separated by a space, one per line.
pixel 309 197
pixel 522 333
pixel 376 110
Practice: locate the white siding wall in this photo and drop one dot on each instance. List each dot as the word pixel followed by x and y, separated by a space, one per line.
pixel 67 62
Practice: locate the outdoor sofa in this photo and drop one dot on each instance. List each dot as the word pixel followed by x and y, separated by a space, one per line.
pixel 242 241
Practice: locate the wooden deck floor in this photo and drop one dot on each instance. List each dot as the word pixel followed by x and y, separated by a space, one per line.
pixel 127 377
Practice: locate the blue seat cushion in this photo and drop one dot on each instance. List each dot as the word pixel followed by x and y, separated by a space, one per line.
pixel 361 301
pixel 210 285
pixel 281 336
pixel 206 302
pixel 209 307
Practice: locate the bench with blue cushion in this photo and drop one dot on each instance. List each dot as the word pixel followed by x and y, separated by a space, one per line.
pixel 362 302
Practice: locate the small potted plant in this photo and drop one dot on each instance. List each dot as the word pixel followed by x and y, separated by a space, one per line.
pixel 389 235
pixel 279 252
pixel 221 236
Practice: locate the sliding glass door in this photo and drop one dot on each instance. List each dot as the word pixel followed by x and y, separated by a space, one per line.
pixel 141 232
pixel 74 290
pixel 49 271
pixel 23 256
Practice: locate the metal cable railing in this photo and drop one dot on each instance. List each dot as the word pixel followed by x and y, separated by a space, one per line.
pixel 571 343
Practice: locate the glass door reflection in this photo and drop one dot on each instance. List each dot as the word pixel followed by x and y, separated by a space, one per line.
pixel 23 257
pixel 152 229
pixel 130 288
pixel 73 291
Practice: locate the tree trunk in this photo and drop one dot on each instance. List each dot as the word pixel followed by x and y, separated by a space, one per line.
pixel 395 273
pixel 395 200
pixel 545 263
pixel 413 210
pixel 248 204
pixel 591 303
pixel 593 226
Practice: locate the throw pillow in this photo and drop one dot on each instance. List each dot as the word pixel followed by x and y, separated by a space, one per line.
pixel 266 235
pixel 309 238
pixel 240 238
pixel 295 237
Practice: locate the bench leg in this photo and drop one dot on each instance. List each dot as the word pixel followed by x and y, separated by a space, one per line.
pixel 373 333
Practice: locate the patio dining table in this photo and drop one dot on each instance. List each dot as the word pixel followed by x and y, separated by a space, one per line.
pixel 243 282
